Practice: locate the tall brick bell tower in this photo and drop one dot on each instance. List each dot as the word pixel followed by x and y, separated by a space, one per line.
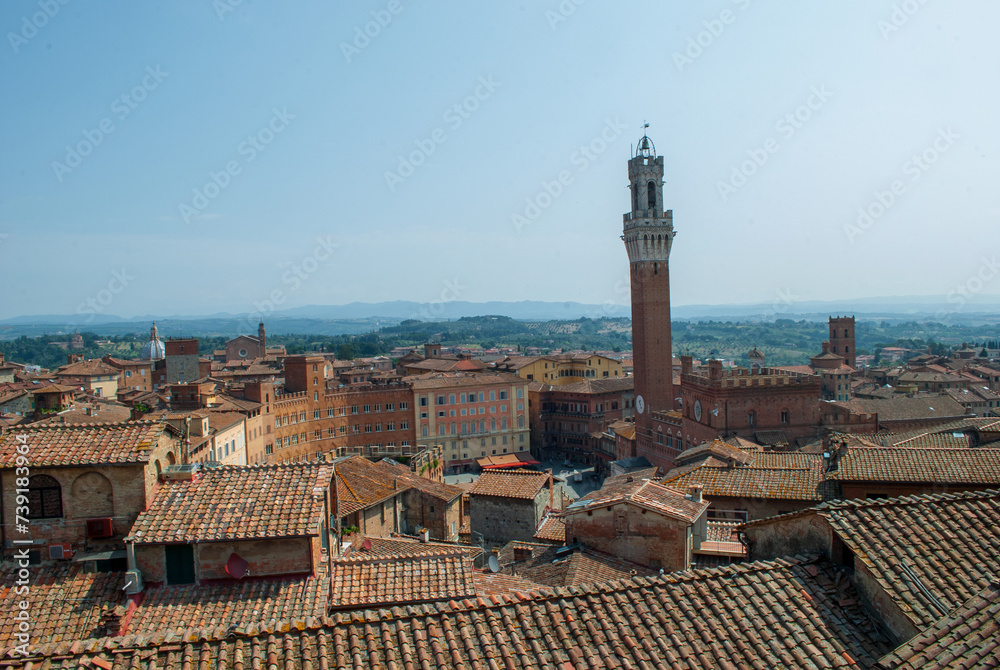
pixel 648 235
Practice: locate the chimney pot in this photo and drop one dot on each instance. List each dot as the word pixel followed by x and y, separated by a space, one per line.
pixel 695 492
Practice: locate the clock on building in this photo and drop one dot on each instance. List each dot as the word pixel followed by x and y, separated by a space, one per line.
pixel 640 404
pixel 697 410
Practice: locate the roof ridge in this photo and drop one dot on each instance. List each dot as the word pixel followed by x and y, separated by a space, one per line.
pixel 901 501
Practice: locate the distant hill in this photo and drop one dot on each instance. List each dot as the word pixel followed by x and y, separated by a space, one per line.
pixel 362 317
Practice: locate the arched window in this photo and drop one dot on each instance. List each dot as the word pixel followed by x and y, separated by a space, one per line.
pixel 751 418
pixel 44 498
pixel 651 195
pixel 520 422
pixel 503 423
pixel 93 495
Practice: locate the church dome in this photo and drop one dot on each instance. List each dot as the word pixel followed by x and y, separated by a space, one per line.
pixel 154 349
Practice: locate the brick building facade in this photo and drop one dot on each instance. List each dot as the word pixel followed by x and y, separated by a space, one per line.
pixel 181 362
pixel 77 473
pixel 472 415
pixel 566 421
pixel 745 402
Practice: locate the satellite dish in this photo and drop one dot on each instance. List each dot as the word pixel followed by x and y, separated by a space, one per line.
pixel 494 564
pixel 367 544
pixel 236 566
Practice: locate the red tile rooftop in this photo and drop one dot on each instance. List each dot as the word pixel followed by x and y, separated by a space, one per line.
pixel 64 603
pixel 969 637
pixel 361 581
pixel 642 493
pixel 209 606
pixel 83 444
pixel 796 613
pixel 523 484
pixel 236 503
pixel 927 538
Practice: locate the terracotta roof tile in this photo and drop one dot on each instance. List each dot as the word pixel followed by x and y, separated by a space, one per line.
pixel 78 444
pixel 918 547
pixel 510 483
pixel 905 408
pixel 490 584
pixel 576 565
pixel 770 475
pixel 786 613
pixel 361 483
pixel 439 490
pixel 716 448
pixel 360 581
pixel 89 368
pixel 267 601
pixel 552 529
pixel 911 464
pixel 642 493
pixel 968 637
pixel 236 502
pixel 65 603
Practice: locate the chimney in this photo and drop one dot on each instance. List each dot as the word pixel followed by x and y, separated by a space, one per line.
pixel 694 492
pixel 552 490
pixel 826 347
pixel 687 365
pixel 715 369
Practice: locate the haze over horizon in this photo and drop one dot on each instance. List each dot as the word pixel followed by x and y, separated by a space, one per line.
pixel 776 123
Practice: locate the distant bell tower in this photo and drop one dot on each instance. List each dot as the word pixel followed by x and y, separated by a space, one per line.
pixel 262 338
pixel 648 234
pixel 842 339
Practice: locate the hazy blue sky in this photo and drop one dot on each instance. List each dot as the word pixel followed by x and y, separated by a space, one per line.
pixel 303 120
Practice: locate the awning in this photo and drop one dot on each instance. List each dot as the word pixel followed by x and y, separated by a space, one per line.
pixel 506 461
